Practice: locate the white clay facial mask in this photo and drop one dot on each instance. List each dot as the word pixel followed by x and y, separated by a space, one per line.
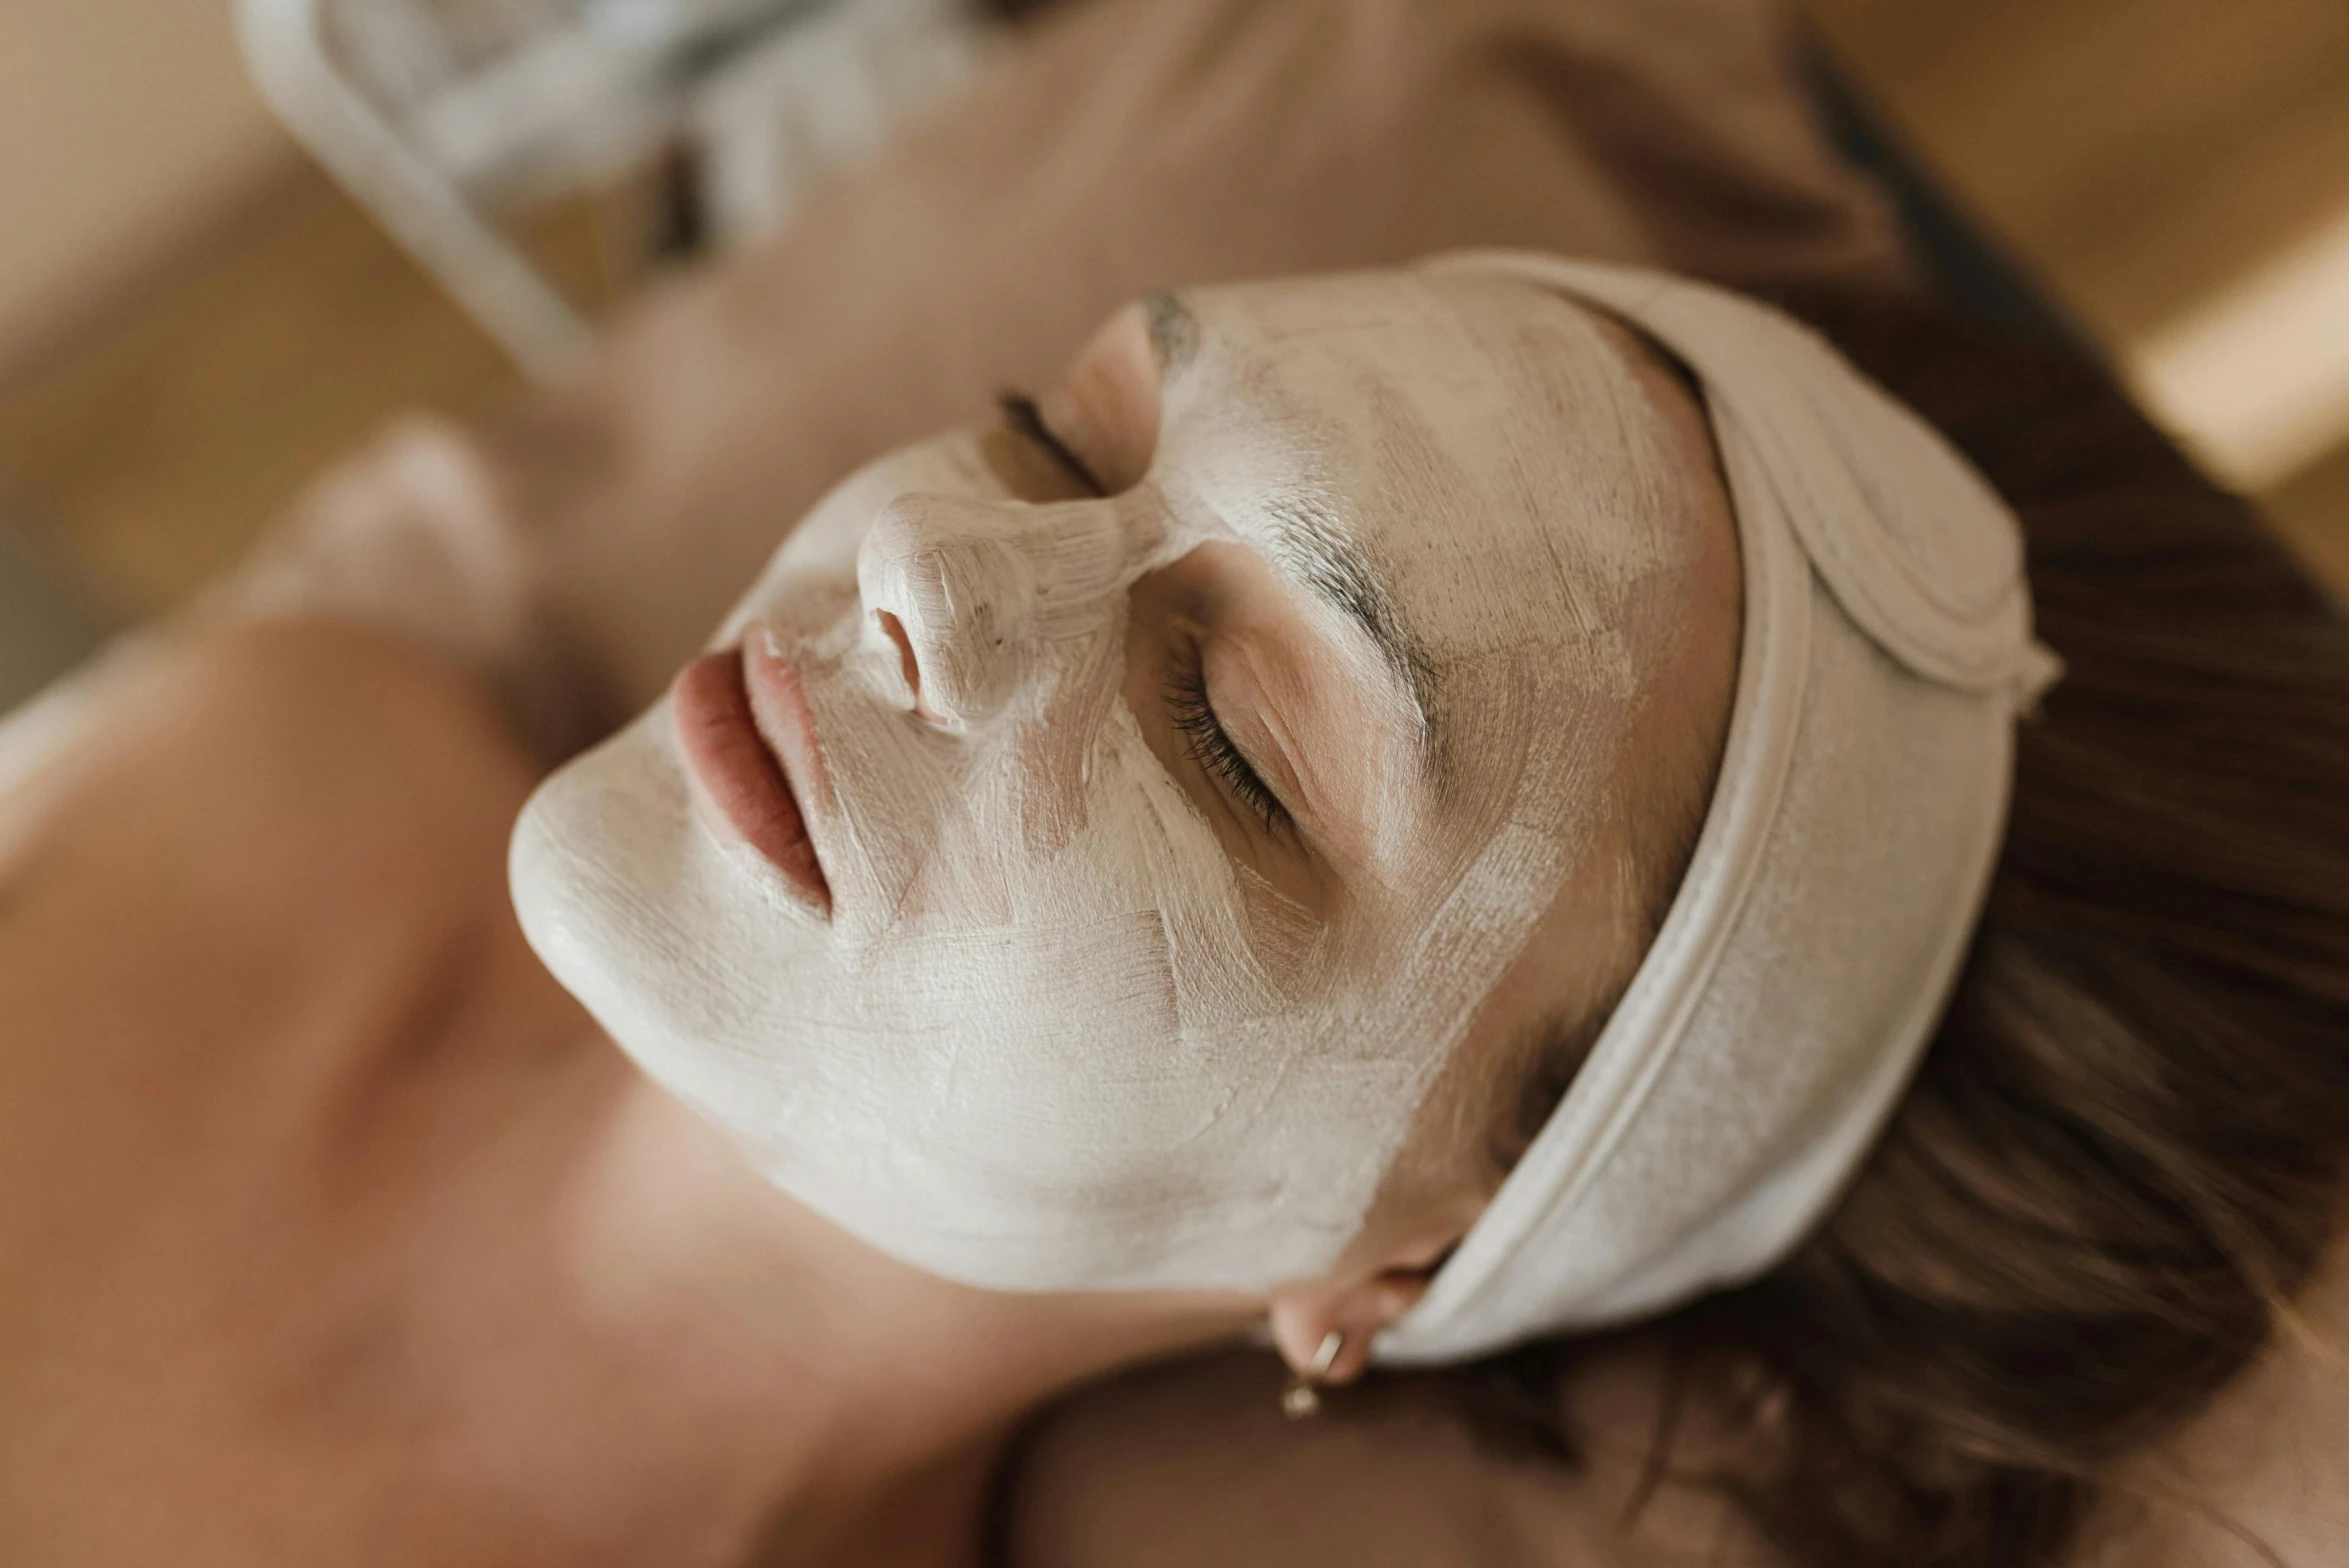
pixel 1152 852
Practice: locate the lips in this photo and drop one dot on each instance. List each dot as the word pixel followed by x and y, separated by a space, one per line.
pixel 744 728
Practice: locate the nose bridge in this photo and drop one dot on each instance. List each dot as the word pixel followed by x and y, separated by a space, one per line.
pixel 982 588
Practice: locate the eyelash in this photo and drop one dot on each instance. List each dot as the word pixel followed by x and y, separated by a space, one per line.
pixel 1211 745
pixel 1021 414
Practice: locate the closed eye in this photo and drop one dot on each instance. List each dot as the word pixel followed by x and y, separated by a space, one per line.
pixel 1022 416
pixel 1211 745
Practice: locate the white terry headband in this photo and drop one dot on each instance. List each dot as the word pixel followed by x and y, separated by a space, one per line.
pixel 1861 802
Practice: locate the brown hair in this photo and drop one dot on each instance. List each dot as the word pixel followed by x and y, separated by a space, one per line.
pixel 2126 1146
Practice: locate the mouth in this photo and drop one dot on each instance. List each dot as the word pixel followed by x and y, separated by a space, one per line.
pixel 743 725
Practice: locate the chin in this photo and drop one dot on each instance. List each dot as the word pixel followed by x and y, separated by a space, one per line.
pixel 605 869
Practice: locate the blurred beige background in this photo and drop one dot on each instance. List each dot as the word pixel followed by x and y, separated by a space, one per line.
pixel 192 320
pixel 124 124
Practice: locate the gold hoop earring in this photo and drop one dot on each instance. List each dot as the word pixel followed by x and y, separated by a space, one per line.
pixel 1301 1400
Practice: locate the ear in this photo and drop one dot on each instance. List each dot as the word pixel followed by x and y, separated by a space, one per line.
pixel 1304 1314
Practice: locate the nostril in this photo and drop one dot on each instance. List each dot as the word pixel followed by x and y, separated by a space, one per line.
pixel 894 630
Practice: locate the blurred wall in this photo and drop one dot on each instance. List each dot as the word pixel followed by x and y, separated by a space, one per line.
pixel 126 128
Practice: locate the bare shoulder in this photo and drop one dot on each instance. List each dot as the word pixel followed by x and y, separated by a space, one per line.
pixel 272 751
pixel 243 819
pixel 1193 1462
pixel 313 696
pixel 289 1125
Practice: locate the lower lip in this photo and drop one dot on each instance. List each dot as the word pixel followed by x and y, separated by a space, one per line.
pixel 738 776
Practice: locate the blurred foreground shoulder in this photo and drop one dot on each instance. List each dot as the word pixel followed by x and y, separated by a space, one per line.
pixel 1192 1462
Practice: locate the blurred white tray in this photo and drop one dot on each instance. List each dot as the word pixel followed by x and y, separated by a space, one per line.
pixel 440 115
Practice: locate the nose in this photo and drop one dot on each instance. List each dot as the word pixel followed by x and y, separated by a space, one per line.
pixel 976 596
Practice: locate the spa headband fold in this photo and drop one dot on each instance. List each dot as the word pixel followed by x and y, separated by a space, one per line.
pixel 1861 802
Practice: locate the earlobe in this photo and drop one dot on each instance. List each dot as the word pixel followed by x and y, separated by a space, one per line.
pixel 1304 1316
pixel 1301 1400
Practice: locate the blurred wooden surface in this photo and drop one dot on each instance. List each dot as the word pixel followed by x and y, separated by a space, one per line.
pixel 124 124
pixel 158 444
pixel 2140 154
pixel 162 442
pixel 2142 157
pixel 2311 511
pixel 2155 164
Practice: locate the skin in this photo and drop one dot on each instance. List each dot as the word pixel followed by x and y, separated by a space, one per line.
pixel 1190 1463
pixel 335 1232
pixel 1533 494
pixel 1109 412
pixel 344 1234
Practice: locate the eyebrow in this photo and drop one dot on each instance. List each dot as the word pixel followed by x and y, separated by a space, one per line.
pixel 1307 542
pixel 1174 331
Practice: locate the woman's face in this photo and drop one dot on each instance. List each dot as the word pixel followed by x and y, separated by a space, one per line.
pixel 1095 835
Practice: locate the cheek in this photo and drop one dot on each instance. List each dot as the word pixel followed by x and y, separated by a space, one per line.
pixel 1062 814
pixel 1288 943
pixel 1153 626
pixel 1055 754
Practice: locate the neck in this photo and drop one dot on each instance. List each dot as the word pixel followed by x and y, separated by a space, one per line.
pixel 884 1397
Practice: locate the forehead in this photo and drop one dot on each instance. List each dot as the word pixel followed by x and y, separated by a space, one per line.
pixel 1483 455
